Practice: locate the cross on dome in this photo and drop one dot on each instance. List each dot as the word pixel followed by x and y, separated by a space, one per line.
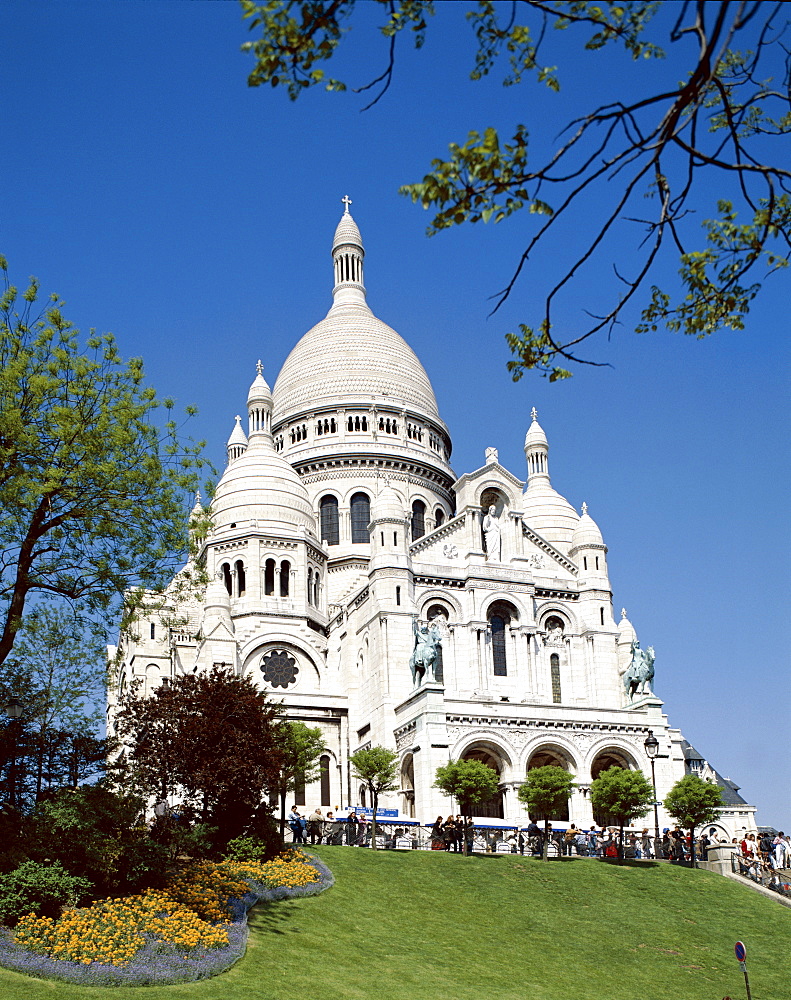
pixel 623 612
pixel 259 367
pixel 346 201
pixel 584 507
pixel 534 413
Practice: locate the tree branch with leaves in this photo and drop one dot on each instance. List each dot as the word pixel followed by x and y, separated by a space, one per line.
pixel 692 170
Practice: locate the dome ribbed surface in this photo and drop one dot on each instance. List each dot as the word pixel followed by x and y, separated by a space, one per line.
pixel 347 232
pixel 586 533
pixel 352 357
pixel 550 514
pixel 261 486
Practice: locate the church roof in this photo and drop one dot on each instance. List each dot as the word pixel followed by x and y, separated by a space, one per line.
pixel 351 357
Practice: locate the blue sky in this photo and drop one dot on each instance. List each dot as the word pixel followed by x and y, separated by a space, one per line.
pixel 167 202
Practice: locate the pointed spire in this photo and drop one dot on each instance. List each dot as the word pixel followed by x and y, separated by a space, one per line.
pixel 237 442
pixel 347 256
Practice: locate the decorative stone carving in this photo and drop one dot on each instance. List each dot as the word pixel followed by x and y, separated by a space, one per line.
pixel 536 560
pixel 492 456
pixel 492 536
pixel 450 551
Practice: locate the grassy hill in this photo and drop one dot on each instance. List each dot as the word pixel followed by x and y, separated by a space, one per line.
pixel 435 926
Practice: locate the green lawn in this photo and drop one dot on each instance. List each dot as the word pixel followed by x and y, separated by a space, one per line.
pixel 435 926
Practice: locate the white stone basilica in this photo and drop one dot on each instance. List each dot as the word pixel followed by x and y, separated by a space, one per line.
pixel 339 529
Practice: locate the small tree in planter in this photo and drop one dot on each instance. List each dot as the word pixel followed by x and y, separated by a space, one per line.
pixel 470 782
pixel 693 803
pixel 545 793
pixel 376 768
pixel 622 794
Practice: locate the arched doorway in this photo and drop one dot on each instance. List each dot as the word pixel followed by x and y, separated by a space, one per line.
pixel 603 761
pixel 494 808
pixel 408 786
pixel 553 756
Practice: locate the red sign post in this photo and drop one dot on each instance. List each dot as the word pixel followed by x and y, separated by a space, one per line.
pixel 741 955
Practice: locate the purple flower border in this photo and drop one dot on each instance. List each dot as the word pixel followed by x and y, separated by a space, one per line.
pixel 157 963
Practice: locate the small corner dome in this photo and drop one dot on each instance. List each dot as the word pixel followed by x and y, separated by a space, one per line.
pixel 587 531
pixel 261 486
pixel 387 505
pixel 626 632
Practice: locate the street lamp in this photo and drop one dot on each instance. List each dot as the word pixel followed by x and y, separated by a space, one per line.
pixel 652 749
pixel 13 711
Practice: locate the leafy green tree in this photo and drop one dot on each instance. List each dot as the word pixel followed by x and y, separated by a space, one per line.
pixel 96 834
pixel 376 768
pixel 686 164
pixel 58 673
pixel 693 802
pixel 209 740
pixel 300 749
pixel 545 793
pixel 623 795
pixel 470 782
pixel 92 491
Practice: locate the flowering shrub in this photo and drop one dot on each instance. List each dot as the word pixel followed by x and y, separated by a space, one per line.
pixel 192 929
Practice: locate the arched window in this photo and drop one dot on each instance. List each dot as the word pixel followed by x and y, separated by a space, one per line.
pixel 285 573
pixel 361 516
pixel 226 578
pixel 310 585
pixel 269 578
pixel 554 667
pixel 362 796
pixel 328 512
pixel 316 589
pixel 153 631
pixel 241 582
pixel 499 657
pixel 299 793
pixel 439 517
pixel 500 616
pixel 324 778
pixel 418 519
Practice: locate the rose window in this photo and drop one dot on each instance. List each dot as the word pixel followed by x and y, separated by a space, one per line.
pixel 279 669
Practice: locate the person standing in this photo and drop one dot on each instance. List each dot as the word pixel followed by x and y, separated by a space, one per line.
pixel 351 829
pixel 459 834
pixel 437 840
pixel 295 825
pixel 315 826
pixel 449 833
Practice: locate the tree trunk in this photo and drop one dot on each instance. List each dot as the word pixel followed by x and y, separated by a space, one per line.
pixel 620 841
pixel 375 804
pixel 282 814
pixel 692 862
pixel 545 845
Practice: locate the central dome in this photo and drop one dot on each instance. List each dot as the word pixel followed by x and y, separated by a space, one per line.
pixel 351 357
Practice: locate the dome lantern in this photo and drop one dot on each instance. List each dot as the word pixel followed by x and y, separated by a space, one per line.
pixel 347 257
pixel 259 407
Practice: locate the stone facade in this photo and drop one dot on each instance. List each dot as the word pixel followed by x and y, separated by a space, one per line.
pixel 339 522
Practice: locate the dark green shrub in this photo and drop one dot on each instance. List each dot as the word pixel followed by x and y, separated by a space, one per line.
pixel 39 889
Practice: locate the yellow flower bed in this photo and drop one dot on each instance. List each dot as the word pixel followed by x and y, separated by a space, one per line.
pixel 191 912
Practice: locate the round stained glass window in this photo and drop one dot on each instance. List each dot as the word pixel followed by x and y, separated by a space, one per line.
pixel 279 669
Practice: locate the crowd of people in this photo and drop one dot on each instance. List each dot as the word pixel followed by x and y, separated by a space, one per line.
pixel 763 859
pixel 760 856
